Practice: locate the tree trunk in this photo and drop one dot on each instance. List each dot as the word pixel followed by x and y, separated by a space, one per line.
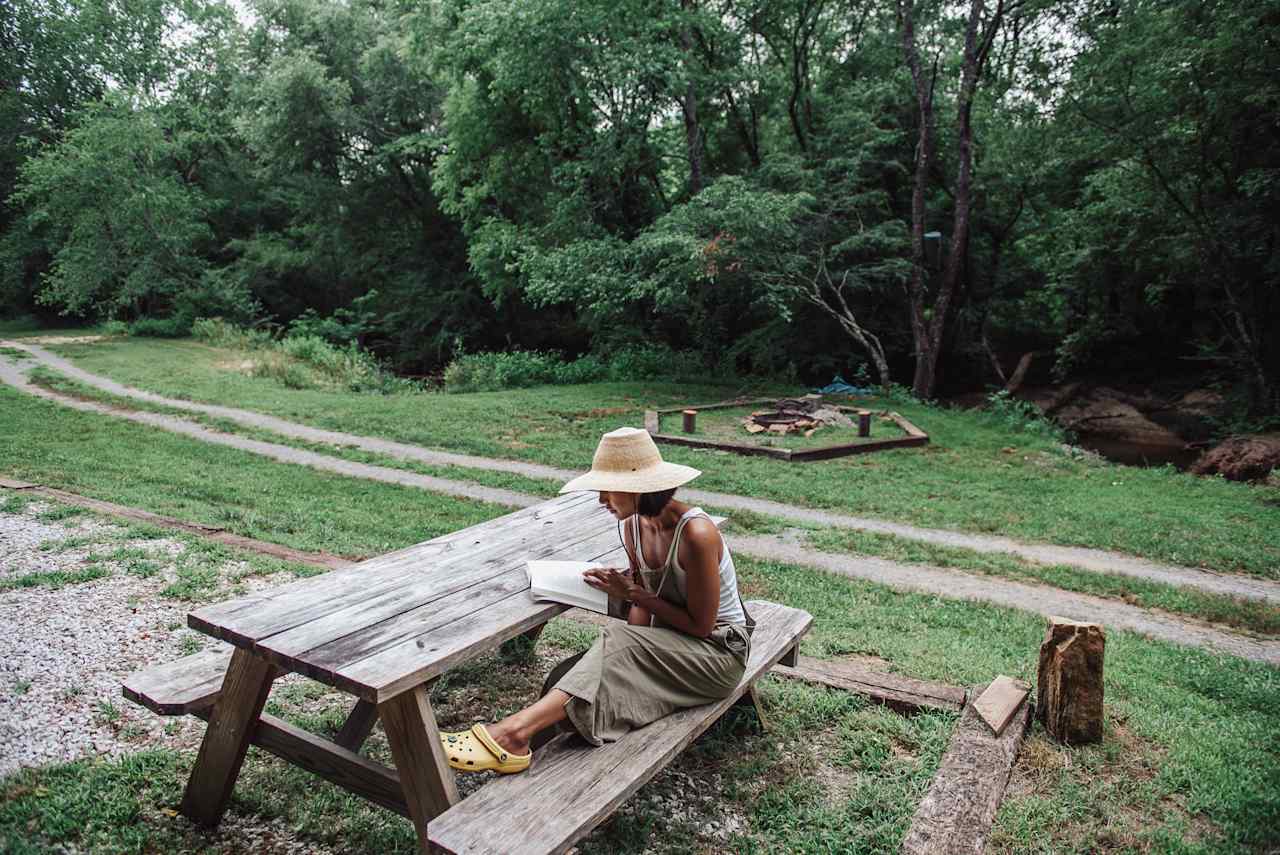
pixel 928 334
pixel 692 133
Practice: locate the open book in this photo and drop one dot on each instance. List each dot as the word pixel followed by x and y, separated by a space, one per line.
pixel 562 582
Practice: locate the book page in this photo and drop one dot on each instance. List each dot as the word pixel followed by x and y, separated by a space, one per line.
pixel 562 582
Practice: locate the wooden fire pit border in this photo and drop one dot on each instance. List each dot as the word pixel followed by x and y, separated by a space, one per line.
pixel 652 423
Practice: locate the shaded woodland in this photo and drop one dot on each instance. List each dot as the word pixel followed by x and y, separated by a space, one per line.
pixel 896 190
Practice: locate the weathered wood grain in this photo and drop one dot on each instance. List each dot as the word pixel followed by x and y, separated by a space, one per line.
pixel 226 739
pixel 903 694
pixel 347 769
pixel 247 620
pixel 956 814
pixel 384 616
pixel 425 777
pixel 181 686
pixel 571 786
pixel 999 701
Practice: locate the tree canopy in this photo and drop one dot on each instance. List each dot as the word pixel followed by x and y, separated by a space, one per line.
pixel 804 186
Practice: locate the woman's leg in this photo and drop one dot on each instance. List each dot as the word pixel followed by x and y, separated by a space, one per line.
pixel 516 730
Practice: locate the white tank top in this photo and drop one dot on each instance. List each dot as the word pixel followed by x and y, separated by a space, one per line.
pixel 730 608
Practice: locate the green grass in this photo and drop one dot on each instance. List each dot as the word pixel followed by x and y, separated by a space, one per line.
pixel 1242 613
pixel 1249 614
pixel 1190 751
pixel 976 475
pixel 53 579
pixel 118 461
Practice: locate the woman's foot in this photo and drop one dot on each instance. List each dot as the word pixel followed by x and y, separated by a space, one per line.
pixel 509 734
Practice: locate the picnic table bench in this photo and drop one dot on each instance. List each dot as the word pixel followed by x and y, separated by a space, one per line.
pixel 381 630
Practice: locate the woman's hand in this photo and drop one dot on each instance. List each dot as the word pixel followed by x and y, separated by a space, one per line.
pixel 616 583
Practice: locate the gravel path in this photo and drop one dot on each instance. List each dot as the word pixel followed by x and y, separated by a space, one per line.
pixel 65 651
pixel 1033 598
pixel 1096 560
pixel 1040 599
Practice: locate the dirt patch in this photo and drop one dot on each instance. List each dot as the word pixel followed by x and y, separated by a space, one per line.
pixel 64 339
pixel 1242 458
pixel 240 366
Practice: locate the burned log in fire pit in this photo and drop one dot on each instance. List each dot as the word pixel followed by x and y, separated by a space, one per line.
pixel 795 415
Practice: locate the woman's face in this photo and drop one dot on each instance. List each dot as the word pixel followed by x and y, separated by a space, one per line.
pixel 621 505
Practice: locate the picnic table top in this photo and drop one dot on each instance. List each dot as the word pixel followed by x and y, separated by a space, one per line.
pixel 383 626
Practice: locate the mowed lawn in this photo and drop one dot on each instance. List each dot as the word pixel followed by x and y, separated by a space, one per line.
pixel 1189 763
pixel 978 474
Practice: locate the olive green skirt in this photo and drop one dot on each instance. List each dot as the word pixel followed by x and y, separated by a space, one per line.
pixel 634 675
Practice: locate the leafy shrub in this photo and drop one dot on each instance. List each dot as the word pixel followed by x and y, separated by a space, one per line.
pixel 1022 416
pixel 219 333
pixel 514 369
pixel 115 328
pixel 174 327
pixel 344 326
pixel 304 361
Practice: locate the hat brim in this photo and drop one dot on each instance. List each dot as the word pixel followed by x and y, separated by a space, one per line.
pixel 664 476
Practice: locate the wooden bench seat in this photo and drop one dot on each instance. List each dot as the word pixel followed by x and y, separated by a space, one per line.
pixel 182 686
pixel 572 787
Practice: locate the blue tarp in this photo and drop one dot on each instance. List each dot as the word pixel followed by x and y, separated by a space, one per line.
pixel 839 386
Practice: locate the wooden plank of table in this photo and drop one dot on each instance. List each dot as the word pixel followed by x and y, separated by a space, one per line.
pixel 243 622
pixel 957 812
pixel 326 657
pixel 903 694
pixel 571 786
pixel 376 611
pixel 400 667
pixel 226 739
pixel 425 777
pixel 336 764
pixel 496 528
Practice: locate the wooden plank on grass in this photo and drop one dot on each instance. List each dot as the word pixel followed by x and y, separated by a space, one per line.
pixel 903 694
pixel 998 703
pixel 956 813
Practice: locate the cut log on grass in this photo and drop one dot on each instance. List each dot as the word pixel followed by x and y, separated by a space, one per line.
pixel 1069 681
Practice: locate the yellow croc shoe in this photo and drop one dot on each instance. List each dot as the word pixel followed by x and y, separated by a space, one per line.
pixel 475 750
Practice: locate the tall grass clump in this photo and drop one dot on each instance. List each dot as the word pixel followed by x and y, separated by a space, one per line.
pixel 304 361
pixel 514 369
pixel 1023 417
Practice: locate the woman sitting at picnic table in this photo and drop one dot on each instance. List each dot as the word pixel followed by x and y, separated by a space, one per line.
pixel 687 633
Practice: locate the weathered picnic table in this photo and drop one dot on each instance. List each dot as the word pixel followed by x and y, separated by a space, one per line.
pixel 381 630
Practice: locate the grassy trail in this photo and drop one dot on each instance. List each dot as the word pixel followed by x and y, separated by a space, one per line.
pixel 976 476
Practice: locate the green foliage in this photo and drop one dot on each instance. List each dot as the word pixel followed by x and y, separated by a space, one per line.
pixel 486 372
pixel 1022 416
pixel 175 327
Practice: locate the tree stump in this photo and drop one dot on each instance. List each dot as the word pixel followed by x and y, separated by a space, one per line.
pixel 864 423
pixel 1069 682
pixel 690 420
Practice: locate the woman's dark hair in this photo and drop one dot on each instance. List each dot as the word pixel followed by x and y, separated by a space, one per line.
pixel 651 504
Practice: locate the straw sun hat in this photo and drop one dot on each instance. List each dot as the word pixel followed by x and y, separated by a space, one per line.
pixel 627 461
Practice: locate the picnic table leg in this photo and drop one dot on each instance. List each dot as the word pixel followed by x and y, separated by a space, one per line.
pixel 226 739
pixel 359 724
pixel 425 776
